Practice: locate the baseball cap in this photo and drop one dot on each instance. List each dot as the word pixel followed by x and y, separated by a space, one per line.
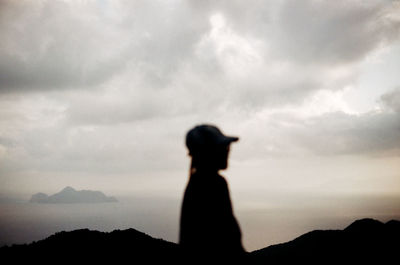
pixel 204 136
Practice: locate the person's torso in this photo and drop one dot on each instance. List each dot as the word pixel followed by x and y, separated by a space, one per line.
pixel 207 218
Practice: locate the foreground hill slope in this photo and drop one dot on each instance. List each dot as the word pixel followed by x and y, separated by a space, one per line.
pixel 81 246
pixel 365 241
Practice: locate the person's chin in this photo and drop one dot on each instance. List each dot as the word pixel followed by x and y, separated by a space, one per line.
pixel 222 167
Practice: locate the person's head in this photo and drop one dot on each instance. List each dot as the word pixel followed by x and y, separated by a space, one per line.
pixel 208 147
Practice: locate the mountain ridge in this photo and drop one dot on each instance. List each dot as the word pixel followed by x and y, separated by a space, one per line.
pixel 365 241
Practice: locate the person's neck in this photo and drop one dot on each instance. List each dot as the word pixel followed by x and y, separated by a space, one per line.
pixel 207 171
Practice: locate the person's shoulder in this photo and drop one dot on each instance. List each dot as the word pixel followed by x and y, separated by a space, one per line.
pixel 222 180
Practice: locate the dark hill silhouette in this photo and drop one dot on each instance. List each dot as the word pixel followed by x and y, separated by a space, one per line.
pixel 86 246
pixel 365 241
pixel 70 195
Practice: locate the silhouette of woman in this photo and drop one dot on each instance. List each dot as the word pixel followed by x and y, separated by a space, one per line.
pixel 208 228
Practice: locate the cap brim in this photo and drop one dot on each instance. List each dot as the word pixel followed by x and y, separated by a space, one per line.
pixel 234 139
pixel 230 139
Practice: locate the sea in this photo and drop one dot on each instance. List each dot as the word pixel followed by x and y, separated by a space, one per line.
pixel 264 221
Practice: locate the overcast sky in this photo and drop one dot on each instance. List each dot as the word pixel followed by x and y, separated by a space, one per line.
pixel 100 94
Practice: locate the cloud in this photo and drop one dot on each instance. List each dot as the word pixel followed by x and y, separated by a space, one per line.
pixel 340 134
pixel 114 80
pixel 340 32
pixel 375 133
pixel 323 125
pixel 391 100
pixel 55 44
pixel 312 32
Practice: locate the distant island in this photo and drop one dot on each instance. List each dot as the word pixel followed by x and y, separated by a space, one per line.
pixel 70 195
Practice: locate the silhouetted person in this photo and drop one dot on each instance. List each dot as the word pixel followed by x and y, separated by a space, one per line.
pixel 208 228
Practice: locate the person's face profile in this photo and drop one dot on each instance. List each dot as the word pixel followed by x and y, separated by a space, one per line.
pixel 211 157
pixel 222 153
